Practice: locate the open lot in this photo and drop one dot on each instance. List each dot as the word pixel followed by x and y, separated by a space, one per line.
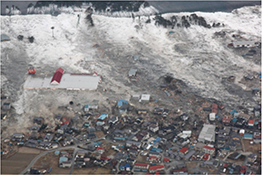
pixel 17 163
pixel 92 171
pixel 251 148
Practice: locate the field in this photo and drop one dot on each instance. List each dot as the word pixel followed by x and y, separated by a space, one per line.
pixel 255 148
pixel 97 170
pixel 51 161
pixel 17 163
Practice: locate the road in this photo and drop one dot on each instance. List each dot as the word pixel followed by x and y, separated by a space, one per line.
pixel 60 148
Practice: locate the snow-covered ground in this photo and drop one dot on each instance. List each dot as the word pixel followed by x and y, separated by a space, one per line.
pixel 193 55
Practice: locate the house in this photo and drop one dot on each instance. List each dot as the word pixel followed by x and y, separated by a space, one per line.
pixel 189 154
pixel 6 106
pixel 248 136
pixel 236 139
pixel 167 160
pixel 102 117
pixel 257 137
pixel 221 140
pixel 153 127
pixel 142 111
pixel 57 76
pixel 87 108
pixel 132 72
pixel 241 131
pixel 17 137
pixel 153 159
pixel 141 165
pixel 225 131
pixel 65 164
pixel 226 120
pixel 251 123
pixel 207 164
pixel 38 120
pixel 113 120
pixel 155 168
pixel 207 133
pixel 31 143
pixel 206 156
pixel 239 44
pixel 199 146
pixel 214 108
pixel 129 143
pixel 100 150
pixel 34 128
pixel 209 150
pixel 48 138
pixel 121 102
pixel 145 98
pixel 183 151
pixel 4 37
pixel 252 158
pixel 187 133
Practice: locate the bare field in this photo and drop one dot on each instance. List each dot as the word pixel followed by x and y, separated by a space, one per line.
pixel 251 148
pixel 92 171
pixel 17 163
pixel 29 150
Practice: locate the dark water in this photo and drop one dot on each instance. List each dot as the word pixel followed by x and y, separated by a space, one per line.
pixel 163 6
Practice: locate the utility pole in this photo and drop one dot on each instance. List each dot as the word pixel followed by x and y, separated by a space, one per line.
pixel 52 31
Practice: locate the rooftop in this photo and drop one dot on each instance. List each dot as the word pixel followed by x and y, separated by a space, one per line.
pixel 207 133
pixel 68 81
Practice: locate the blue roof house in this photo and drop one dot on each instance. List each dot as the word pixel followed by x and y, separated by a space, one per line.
pixel 121 102
pixel 102 117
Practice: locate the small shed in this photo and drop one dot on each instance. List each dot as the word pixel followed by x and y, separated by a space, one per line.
pixel 132 72
pixel 136 57
pixel 212 116
pixel 242 132
pixel 4 37
pixel 145 97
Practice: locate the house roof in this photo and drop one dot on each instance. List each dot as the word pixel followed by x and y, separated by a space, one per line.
pixel 208 147
pixel 145 97
pixel 251 122
pixel 99 148
pixel 102 116
pixel 4 37
pixel 166 159
pixel 57 75
pixel 226 119
pixel 206 156
pixel 156 167
pixel 183 150
pixel 132 72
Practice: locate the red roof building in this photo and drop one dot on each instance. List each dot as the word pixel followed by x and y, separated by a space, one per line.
pixel 251 123
pixel 226 120
pixel 156 168
pixel 166 160
pixel 209 149
pixel 57 76
pixel 141 165
pixel 206 157
pixel 153 158
pixel 66 122
pixel 99 148
pixel 214 108
pixel 183 150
